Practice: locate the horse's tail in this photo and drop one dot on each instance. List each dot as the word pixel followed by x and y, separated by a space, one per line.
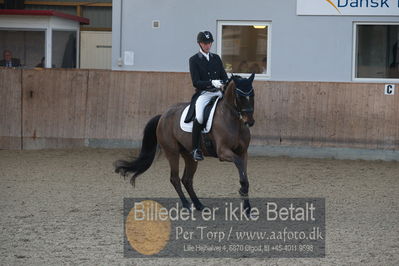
pixel 140 164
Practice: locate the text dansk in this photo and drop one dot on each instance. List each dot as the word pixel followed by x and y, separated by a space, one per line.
pixel 368 3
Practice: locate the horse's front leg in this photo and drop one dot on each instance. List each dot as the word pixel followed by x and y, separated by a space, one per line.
pixel 244 190
pixel 241 164
pixel 243 176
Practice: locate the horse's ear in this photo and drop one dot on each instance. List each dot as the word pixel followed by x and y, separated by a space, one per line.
pixel 251 78
pixel 234 78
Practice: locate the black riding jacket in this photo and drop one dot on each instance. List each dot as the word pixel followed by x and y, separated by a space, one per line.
pixel 203 71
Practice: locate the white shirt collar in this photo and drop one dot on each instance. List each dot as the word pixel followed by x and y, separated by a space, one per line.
pixel 204 54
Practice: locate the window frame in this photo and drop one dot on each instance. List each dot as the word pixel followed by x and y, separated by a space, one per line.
pixel 268 24
pixel 354 53
pixel 36 29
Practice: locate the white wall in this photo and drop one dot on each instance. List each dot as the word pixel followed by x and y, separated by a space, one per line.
pixel 304 48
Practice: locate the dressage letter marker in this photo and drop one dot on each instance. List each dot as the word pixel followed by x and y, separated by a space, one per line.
pixel 389 89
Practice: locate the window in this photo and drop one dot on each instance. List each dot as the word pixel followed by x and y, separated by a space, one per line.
pixel 64 49
pixel 25 47
pixel 376 51
pixel 245 47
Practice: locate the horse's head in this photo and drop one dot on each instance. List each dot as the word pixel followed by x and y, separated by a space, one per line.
pixel 244 98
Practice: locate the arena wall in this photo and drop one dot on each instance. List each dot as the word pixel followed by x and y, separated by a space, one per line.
pixel 58 108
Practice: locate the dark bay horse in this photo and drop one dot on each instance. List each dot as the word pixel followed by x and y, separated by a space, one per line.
pixel 229 134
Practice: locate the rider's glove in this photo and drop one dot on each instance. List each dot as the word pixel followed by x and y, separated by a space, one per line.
pixel 217 84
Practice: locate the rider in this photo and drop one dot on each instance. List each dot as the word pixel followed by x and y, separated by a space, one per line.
pixel 207 74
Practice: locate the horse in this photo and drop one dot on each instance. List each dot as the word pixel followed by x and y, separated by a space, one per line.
pixel 230 135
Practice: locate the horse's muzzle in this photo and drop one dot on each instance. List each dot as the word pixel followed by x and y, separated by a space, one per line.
pixel 247 118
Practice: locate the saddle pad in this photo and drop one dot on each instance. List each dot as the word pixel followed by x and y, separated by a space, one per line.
pixel 188 127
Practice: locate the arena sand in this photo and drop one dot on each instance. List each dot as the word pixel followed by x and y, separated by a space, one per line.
pixel 66 206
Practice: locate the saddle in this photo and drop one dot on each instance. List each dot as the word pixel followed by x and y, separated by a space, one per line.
pixel 188 116
pixel 191 111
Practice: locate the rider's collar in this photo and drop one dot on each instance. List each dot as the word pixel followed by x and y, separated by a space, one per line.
pixel 205 54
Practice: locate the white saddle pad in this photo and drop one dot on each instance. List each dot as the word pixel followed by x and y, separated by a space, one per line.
pixel 188 127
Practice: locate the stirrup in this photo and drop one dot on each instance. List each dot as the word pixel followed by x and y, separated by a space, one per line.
pixel 197 155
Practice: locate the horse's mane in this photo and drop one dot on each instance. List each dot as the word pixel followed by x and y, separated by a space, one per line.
pixel 229 93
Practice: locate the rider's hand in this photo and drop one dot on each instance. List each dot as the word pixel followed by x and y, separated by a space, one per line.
pixel 217 84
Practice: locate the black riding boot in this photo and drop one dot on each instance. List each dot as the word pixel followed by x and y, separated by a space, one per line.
pixel 197 153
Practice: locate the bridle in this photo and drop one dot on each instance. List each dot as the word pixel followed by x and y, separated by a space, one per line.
pixel 240 92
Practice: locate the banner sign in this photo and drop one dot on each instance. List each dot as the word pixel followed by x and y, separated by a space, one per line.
pixel 272 228
pixel 348 7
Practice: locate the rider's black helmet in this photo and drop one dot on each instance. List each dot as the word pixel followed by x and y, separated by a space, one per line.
pixel 205 37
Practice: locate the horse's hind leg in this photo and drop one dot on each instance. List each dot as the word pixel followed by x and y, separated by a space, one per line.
pixel 187 180
pixel 173 159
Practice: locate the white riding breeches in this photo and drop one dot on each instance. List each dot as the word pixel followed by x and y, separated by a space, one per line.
pixel 202 101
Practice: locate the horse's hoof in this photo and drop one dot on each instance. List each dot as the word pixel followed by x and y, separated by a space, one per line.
pixel 187 206
pixel 200 207
pixel 248 212
pixel 247 208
